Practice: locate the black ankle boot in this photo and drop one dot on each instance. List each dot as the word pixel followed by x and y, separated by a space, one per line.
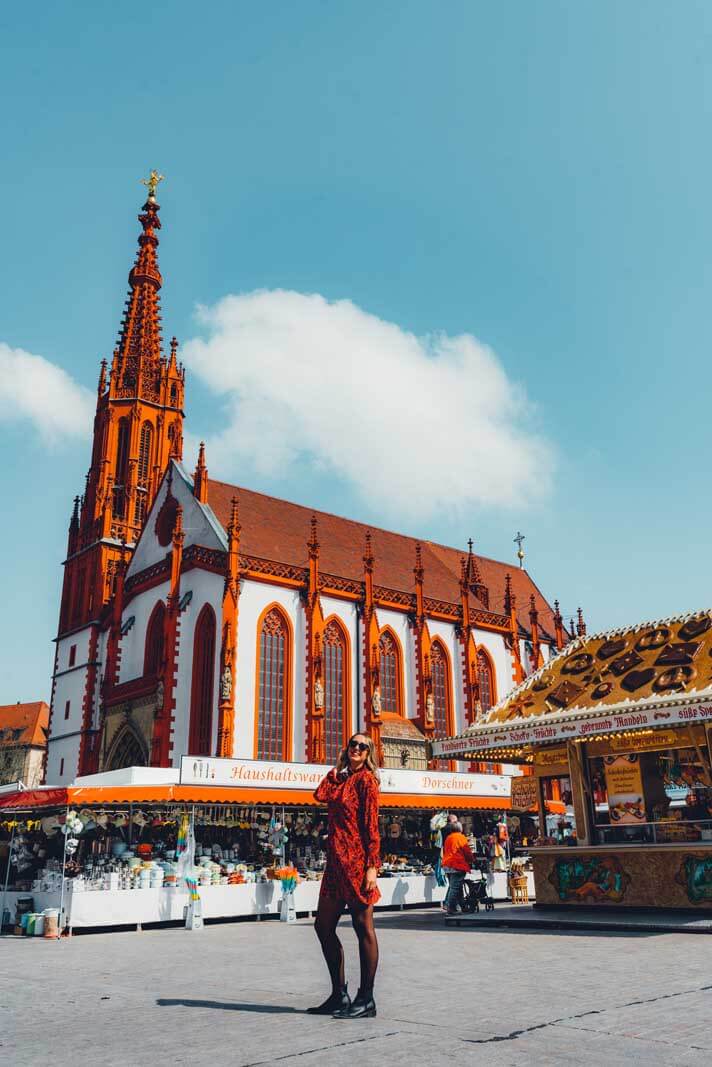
pixel 363 1007
pixel 338 1001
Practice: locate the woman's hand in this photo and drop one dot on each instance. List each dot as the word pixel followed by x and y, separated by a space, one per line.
pixel 370 879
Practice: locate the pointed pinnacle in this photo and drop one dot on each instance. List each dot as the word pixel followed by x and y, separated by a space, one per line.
pixel 368 551
pixel 234 525
pixel 313 542
pixel 418 569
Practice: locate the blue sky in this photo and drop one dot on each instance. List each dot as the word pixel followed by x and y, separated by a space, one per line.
pixel 536 177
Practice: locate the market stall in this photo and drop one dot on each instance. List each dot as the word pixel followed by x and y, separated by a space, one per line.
pixel 617 729
pixel 121 830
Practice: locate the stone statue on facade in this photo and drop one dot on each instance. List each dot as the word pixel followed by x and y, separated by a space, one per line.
pixel 226 683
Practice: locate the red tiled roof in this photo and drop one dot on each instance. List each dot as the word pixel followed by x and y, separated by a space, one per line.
pixel 278 530
pixel 24 724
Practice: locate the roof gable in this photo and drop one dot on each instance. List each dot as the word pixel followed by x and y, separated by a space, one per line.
pixel 200 524
pixel 24 724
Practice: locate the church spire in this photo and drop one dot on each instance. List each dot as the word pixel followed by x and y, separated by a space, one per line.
pixel 137 428
pixel 139 351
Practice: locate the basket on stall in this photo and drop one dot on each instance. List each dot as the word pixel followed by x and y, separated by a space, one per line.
pixel 519 889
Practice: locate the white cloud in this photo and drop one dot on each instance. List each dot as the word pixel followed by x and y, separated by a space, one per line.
pixel 33 389
pixel 415 424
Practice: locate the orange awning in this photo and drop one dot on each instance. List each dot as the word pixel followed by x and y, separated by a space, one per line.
pixel 86 796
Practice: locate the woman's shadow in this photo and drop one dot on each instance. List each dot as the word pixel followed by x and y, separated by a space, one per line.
pixel 263 1009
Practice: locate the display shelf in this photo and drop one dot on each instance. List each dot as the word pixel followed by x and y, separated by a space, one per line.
pixel 134 907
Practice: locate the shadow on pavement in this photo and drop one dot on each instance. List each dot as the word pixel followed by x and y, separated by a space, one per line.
pixel 221 1005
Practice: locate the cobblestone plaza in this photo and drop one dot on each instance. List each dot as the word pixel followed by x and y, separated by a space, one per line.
pixel 236 993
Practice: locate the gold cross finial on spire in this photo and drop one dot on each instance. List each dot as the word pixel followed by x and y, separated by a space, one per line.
pixel 151 183
pixel 520 551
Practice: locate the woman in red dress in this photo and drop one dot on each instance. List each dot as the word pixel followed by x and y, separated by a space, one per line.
pixel 350 791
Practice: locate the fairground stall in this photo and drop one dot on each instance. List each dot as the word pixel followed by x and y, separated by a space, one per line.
pixel 105 851
pixel 617 730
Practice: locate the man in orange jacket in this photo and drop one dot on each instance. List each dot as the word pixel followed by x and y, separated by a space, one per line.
pixel 457 862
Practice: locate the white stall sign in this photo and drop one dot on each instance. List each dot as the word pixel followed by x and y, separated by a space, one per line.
pixel 265 774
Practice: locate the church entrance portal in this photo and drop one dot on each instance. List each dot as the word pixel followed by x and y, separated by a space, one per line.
pixel 126 751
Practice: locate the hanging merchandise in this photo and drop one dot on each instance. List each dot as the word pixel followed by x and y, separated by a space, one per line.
pixel 289 878
pixel 185 871
pixel 189 854
pixel 500 859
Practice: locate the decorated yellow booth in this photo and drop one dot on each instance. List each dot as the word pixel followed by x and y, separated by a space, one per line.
pixel 616 728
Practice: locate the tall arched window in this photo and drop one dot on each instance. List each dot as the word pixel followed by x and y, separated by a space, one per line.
pixel 201 698
pixel 485 674
pixel 143 470
pixel 273 691
pixel 153 655
pixel 144 454
pixel 440 675
pixel 122 460
pixel 389 663
pixel 336 710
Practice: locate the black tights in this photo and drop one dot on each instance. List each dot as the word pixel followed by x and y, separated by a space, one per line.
pixel 327 919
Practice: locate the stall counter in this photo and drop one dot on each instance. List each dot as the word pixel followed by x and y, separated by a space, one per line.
pixel 131 907
pixel 635 876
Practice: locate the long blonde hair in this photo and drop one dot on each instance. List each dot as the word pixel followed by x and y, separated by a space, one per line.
pixel 370 761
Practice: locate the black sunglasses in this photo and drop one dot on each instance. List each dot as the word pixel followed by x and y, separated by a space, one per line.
pixel 359 746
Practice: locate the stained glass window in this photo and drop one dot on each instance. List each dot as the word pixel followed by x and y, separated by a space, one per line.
pixel 201 698
pixel 154 640
pixel 335 699
pixel 389 673
pixel 272 706
pixel 486 680
pixel 441 689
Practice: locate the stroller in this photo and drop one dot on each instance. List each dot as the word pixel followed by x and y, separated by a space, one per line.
pixel 474 891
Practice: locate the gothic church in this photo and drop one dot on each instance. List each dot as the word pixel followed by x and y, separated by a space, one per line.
pixel 204 618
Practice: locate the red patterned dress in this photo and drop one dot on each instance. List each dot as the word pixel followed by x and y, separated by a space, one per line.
pixel 354 843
